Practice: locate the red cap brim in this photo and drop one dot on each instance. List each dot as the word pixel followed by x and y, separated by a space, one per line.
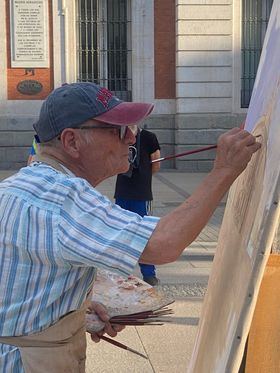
pixel 126 113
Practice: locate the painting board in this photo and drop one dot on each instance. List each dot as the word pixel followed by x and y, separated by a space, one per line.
pixel 248 228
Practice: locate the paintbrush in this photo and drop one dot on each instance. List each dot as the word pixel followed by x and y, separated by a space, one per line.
pixel 198 150
pixel 118 344
pixel 143 318
pixel 185 153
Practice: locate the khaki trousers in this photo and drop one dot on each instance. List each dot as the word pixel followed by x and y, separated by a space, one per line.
pixel 61 348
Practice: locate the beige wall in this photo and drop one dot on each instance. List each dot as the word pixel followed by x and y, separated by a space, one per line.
pixel 208 75
pixel 204 59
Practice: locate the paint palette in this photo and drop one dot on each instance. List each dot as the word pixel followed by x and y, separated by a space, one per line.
pixel 129 301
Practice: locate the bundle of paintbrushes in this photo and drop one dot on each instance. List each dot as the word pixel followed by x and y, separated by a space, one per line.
pixel 129 301
pixel 144 318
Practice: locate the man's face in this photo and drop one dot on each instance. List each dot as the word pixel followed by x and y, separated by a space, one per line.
pixel 105 153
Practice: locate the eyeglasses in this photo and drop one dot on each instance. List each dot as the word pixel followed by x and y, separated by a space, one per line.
pixel 121 129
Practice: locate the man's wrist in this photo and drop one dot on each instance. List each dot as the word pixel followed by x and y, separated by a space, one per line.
pixel 222 176
pixel 227 174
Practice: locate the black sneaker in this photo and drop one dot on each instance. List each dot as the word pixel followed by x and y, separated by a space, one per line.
pixel 151 280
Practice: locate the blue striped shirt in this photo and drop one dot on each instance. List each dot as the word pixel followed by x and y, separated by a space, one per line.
pixel 55 230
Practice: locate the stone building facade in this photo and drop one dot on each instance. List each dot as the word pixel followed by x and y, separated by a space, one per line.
pixel 186 56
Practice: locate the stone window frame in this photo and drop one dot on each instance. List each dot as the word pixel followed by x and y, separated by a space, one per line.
pixel 142 28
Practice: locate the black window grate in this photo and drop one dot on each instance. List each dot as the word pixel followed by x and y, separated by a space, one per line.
pixel 104 44
pixel 255 17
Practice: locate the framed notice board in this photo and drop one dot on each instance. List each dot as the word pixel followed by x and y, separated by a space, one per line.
pixel 29 49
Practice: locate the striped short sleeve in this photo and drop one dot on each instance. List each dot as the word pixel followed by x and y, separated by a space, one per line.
pixel 95 232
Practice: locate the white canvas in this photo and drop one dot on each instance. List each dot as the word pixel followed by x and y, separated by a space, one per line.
pixel 249 225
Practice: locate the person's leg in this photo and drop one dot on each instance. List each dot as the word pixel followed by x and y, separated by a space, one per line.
pixel 139 207
pixel 123 203
pixel 148 271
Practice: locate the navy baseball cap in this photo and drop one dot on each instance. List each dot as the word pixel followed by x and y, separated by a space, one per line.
pixel 72 104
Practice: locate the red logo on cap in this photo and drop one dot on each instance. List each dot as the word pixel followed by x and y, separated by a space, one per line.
pixel 104 96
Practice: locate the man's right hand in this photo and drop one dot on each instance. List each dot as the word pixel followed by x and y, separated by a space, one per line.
pixel 235 150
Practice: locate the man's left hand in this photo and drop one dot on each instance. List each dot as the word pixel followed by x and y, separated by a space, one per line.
pixel 101 312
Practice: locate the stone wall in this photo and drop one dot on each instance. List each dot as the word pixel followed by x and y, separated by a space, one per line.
pixel 204 103
pixel 16 137
pixel 206 90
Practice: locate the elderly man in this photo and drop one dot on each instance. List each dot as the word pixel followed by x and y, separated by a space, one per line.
pixel 56 228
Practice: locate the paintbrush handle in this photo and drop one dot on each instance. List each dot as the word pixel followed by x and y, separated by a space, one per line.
pixel 185 153
pixel 113 342
pixel 120 345
pixel 141 316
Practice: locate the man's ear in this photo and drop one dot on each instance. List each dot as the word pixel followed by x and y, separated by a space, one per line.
pixel 71 142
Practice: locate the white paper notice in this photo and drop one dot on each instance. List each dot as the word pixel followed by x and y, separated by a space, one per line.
pixel 29 33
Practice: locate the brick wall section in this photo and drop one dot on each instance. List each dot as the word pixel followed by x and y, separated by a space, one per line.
pixel 165 48
pixel 16 75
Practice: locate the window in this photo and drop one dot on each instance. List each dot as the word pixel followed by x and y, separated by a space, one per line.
pixel 104 44
pixel 255 16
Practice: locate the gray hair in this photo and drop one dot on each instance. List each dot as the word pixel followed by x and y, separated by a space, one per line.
pixel 56 143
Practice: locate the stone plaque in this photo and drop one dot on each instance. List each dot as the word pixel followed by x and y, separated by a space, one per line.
pixel 29 22
pixel 29 87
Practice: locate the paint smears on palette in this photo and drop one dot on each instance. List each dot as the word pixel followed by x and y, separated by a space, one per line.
pixel 129 301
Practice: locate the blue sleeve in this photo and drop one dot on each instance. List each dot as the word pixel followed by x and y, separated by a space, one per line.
pixel 33 148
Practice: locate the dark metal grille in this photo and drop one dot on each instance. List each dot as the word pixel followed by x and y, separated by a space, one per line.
pixel 254 24
pixel 104 44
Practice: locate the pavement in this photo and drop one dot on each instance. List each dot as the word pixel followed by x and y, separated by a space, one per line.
pixel 168 347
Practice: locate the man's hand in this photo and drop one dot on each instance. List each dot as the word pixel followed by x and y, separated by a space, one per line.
pixel 235 150
pixel 101 312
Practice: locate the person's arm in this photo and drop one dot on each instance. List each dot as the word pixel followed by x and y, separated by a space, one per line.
pixel 155 166
pixel 33 151
pixel 180 227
